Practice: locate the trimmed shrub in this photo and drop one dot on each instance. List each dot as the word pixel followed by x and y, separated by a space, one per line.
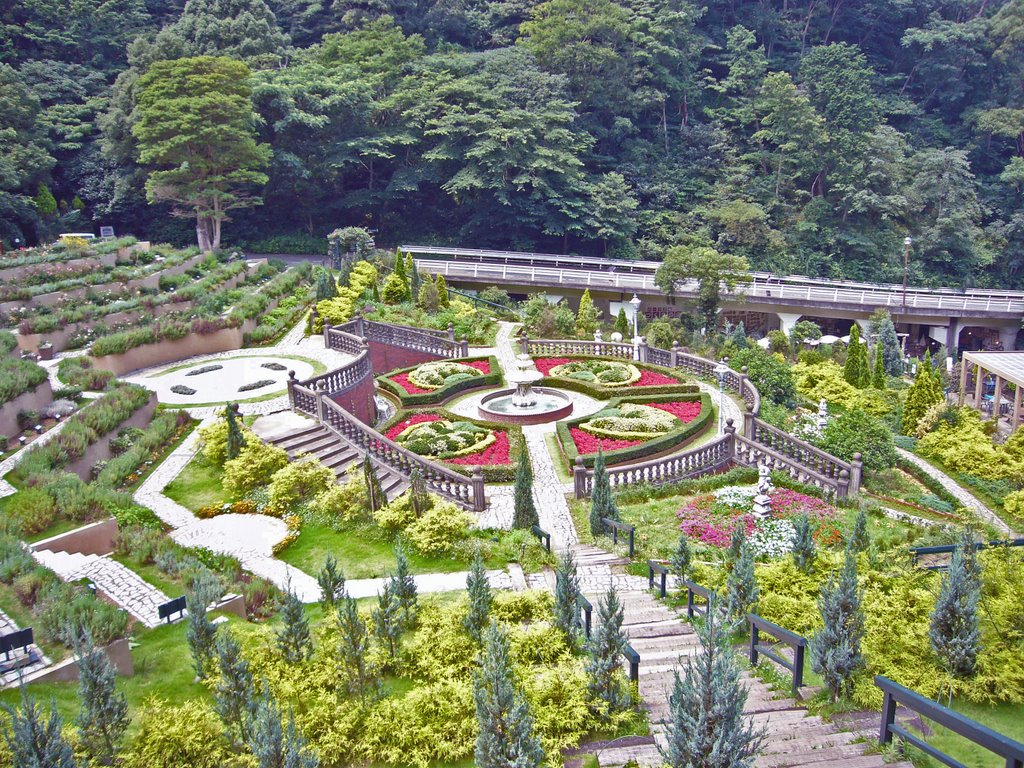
pixel 301 480
pixel 32 510
pixel 254 466
pixel 18 376
pixel 598 392
pixel 439 528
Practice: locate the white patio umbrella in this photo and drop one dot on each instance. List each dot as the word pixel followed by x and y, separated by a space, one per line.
pixel 828 339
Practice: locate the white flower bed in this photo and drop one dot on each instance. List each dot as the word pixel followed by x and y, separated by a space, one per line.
pixel 772 538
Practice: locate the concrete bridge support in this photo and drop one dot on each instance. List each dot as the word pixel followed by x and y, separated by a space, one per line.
pixel 787 321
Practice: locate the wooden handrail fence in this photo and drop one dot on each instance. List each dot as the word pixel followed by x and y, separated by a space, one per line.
pixel 797 642
pixel 616 526
pixel 943 549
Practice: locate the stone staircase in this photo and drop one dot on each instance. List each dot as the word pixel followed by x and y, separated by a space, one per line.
pixel 337 453
pixel 663 639
pixel 118 582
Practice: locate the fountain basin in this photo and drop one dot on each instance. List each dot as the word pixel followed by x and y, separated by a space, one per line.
pixel 525 405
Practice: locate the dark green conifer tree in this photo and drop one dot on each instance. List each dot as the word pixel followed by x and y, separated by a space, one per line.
pixel 602 502
pixel 954 633
pixel 404 586
pixel 443 299
pixel 803 544
pixel 835 648
pixel 234 695
pixel 505 738
pixel 681 558
pixel 374 492
pixel 293 637
pixel 706 726
pixel 387 619
pixel 741 585
pixel 354 649
pixel 525 511
pixel 480 597
pixel 858 540
pixel 103 717
pixel 201 633
pixel 414 275
pixel 606 646
pixel 34 742
pixel 235 441
pixel 739 537
pixel 419 498
pixel 567 597
pixel 622 323
pixel 332 583
pixel 275 745
pixel 878 371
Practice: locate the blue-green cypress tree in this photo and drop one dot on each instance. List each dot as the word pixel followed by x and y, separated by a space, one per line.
pixel 741 585
pixel 567 598
pixel 602 502
pixel 387 619
pixel 954 632
pixel 354 649
pixel 525 512
pixel 835 648
pixel 859 540
pixel 276 745
pixel 803 544
pixel 332 583
pixel 681 558
pixel 201 633
pixel 480 598
pixel 36 741
pixel 103 718
pixel 293 636
pixel 234 694
pixel 739 537
pixel 706 726
pixel 606 646
pixel 506 738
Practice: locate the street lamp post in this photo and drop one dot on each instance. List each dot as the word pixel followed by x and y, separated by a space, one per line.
pixel 635 304
pixel 907 241
pixel 721 370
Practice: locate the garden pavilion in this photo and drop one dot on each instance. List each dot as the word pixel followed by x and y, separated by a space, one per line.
pixel 992 371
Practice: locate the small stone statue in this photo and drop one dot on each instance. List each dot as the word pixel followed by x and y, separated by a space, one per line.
pixel 822 421
pixel 763 499
pixel 598 336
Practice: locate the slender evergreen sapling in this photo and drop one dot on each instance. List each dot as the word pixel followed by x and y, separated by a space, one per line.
pixel 506 736
pixel 567 598
pixel 276 745
pixel 293 639
pixel 859 540
pixel 332 583
pixel 954 633
pixel 374 492
pixel 234 694
pixel 235 438
pixel 706 726
pixel 480 598
pixel 878 370
pixel 739 538
pixel 443 299
pixel 606 646
pixel 35 740
pixel 201 633
pixel 622 323
pixel 419 498
pixel 525 515
pixel 741 585
pixel 586 316
pixel 404 586
pixel 803 544
pixel 682 558
pixel 602 502
pixel 402 274
pixel 413 273
pixel 103 717
pixel 835 648
pixel 354 649
pixel 387 619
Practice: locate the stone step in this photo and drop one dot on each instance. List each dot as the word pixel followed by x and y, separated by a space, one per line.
pixel 298 442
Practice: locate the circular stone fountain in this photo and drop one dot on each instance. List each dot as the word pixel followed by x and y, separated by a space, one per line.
pixel 526 404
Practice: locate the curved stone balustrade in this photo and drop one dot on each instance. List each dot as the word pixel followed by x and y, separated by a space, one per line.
pixel 559 347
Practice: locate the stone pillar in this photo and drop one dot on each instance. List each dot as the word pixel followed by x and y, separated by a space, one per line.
pixel 787 320
pixel 451 332
pixel 579 478
pixel 857 472
pixel 479 498
pixel 1008 337
pixel 291 388
pixel 843 484
pixel 464 347
pixel 320 402
pixel 641 350
pixel 748 421
pixel 674 355
pixel 963 382
pixel 730 434
pixel 953 336
pixel 360 327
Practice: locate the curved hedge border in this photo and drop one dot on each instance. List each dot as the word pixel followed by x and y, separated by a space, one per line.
pixel 408 400
pixel 669 440
pixel 604 393
pixel 494 473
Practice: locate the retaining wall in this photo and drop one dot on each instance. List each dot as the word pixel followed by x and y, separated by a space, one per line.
pixel 26 270
pixel 67 671
pixel 385 357
pixel 92 539
pixel 161 352
pixel 359 401
pixel 32 400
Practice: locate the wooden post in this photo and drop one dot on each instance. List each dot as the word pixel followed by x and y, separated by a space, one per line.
pixel 888 718
pixel 798 668
pixel 979 378
pixel 997 399
pixel 1016 406
pixel 755 638
pixel 963 381
pixel 579 478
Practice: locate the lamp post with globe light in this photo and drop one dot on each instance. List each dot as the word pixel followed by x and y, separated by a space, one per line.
pixel 721 370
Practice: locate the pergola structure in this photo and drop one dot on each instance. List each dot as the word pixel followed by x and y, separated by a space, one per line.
pixel 1005 367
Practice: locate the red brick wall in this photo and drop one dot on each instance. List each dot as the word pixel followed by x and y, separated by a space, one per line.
pixel 385 357
pixel 359 401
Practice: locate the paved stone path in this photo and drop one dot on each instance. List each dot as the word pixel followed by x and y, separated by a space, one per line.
pixel 664 640
pixel 116 581
pixel 965 497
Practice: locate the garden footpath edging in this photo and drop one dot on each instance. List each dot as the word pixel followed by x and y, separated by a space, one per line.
pixel 969 500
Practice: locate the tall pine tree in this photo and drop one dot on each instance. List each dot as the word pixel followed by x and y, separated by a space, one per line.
pixel 404 586
pixel 567 597
pixel 525 512
pixel 103 718
pixel 505 738
pixel 293 636
pixel 835 648
pixel 606 646
pixel 878 370
pixel 443 299
pixel 480 598
pixel 234 694
pixel 922 395
pixel 858 540
pixel 855 371
pixel 387 619
pixel 706 726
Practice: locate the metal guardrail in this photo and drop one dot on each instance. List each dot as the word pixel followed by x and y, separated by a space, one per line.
pixel 944 549
pixel 893 694
pixel 617 526
pixel 653 568
pixel 797 642
pixel 543 535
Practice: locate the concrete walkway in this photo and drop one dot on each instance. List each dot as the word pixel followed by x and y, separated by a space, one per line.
pixel 965 497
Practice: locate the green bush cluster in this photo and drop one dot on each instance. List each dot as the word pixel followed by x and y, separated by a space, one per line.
pixel 447 390
pixel 79 371
pixel 961 444
pixel 342 307
pixel 18 376
pixel 116 472
pixel 599 392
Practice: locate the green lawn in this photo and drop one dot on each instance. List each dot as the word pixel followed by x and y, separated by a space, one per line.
pixel 198 485
pixel 1003 718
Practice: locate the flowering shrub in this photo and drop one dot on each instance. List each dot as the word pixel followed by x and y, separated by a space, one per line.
pixel 712 517
pixel 437 380
pixel 607 373
pixel 587 443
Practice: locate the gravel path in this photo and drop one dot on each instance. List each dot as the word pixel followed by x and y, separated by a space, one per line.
pixel 965 497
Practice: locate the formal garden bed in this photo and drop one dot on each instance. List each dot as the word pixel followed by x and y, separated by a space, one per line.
pixel 436 381
pixel 459 442
pixel 630 428
pixel 602 378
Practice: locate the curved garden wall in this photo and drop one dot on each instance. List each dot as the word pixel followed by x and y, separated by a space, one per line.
pixel 148 355
pixel 32 400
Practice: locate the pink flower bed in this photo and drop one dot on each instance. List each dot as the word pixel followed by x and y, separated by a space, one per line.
pixel 587 443
pixel 498 452
pixel 684 410
pixel 402 379
pixel 647 378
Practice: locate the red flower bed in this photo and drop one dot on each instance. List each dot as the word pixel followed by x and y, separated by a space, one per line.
pixel 498 452
pixel 587 443
pixel 647 378
pixel 402 379
pixel 685 411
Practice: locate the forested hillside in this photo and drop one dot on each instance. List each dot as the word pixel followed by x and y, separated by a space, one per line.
pixel 809 136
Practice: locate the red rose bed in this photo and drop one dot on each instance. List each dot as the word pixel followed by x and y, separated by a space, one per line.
pixel 586 443
pixel 647 378
pixel 402 379
pixel 497 453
